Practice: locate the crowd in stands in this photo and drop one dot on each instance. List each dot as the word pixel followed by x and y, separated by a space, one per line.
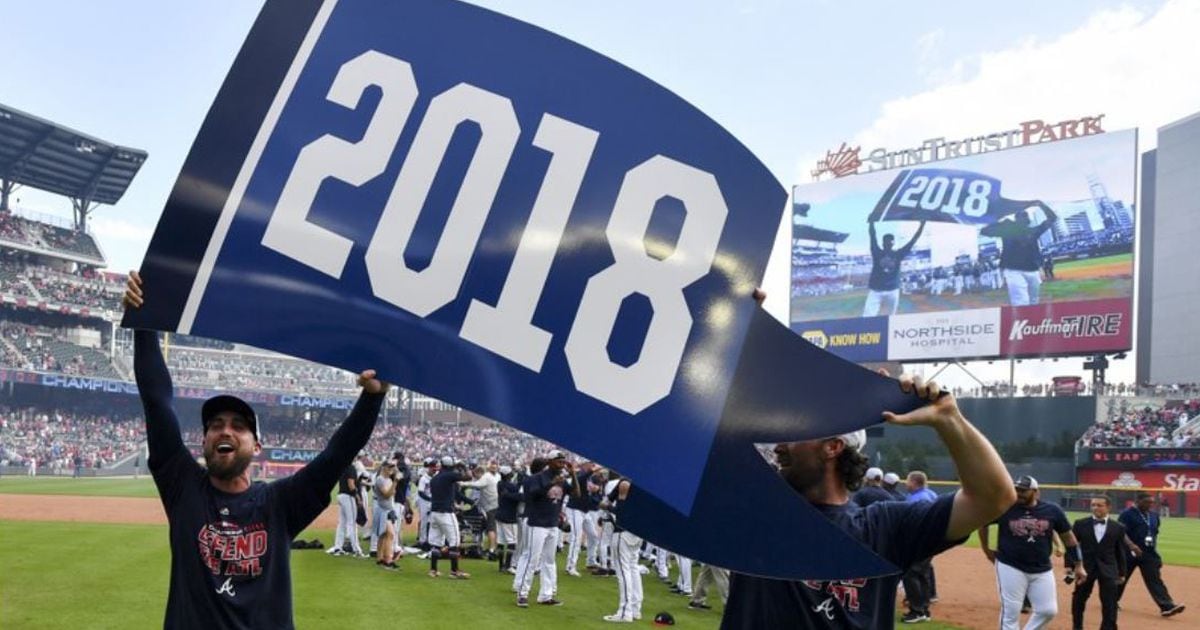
pixel 1133 423
pixel 76 289
pixel 38 283
pixel 45 349
pixel 17 229
pixel 219 369
pixel 1001 389
pixel 1102 243
pixel 61 440
pixel 68 240
pixel 466 441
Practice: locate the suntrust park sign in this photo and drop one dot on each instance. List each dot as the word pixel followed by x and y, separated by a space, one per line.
pixel 847 160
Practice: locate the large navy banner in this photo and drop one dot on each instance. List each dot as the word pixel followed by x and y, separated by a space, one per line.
pixel 497 217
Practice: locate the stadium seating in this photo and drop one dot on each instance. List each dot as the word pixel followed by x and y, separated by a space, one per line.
pixel 51 238
pixel 1137 423
pixel 54 437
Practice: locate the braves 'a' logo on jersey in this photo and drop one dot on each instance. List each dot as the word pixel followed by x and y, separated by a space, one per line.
pixel 842 592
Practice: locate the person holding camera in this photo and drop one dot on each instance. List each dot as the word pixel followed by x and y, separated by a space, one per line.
pixel 544 492
pixel 387 480
pixel 1141 522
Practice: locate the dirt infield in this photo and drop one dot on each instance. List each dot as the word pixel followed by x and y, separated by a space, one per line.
pixel 966 582
pixel 967 596
pixel 83 509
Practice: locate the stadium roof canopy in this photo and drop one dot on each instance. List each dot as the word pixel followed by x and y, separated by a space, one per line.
pixel 50 157
pixel 810 233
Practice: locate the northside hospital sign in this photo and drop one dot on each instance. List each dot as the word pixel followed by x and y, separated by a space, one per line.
pixel 847 160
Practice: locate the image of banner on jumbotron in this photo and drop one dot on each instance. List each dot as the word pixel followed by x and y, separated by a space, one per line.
pixel 1041 237
pixel 500 218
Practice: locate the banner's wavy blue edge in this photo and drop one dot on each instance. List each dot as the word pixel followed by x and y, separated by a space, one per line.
pixel 765 404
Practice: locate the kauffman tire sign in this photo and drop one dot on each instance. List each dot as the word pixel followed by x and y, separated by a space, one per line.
pixel 1067 327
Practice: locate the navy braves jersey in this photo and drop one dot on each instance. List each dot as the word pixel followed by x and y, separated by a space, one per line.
pixel 442 489
pixel 1025 541
pixel 230 553
pixel 510 499
pixel 543 499
pixel 902 533
pixel 871 494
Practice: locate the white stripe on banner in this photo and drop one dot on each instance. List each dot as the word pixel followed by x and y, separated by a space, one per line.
pixel 200 283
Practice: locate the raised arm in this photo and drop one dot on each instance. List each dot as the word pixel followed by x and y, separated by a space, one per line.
pixel 154 387
pixel 349 438
pixel 871 236
pixel 987 490
pixel 390 491
pixel 1051 217
pixel 306 493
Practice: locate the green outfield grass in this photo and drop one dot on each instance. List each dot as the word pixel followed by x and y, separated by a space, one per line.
pixel 60 575
pixel 1102 261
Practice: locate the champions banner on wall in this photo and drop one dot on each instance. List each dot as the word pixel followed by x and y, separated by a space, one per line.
pixel 114 386
pixel 497 217
pixel 1034 244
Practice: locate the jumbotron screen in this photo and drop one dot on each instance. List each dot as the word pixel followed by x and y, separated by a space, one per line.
pixel 1015 253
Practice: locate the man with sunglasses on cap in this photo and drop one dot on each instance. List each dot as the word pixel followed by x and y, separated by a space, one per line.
pixel 1022 556
pixel 826 472
pixel 230 537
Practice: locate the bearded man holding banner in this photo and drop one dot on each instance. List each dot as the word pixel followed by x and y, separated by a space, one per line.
pixel 217 509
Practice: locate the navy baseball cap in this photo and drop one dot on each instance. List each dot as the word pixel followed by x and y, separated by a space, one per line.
pixel 1026 482
pixel 218 404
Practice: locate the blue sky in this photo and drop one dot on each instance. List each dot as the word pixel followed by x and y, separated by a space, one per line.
pixel 789 78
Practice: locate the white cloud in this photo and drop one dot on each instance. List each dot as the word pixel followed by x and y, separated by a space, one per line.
pixel 1136 69
pixel 124 242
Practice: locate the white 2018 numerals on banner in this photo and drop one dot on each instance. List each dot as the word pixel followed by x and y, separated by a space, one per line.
pixel 929 193
pixel 507 328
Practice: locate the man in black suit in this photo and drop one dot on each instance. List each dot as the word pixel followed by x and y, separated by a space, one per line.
pixel 1101 540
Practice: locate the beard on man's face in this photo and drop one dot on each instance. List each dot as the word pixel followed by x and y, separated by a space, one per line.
pixel 801 468
pixel 226 468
